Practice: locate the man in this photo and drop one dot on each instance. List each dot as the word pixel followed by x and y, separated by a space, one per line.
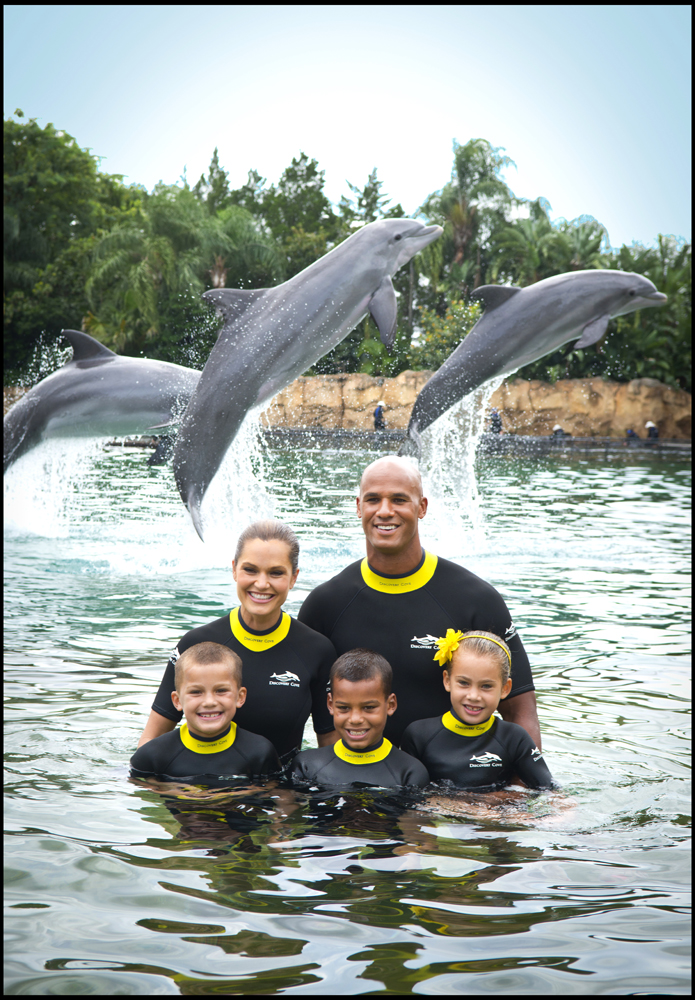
pixel 379 422
pixel 400 599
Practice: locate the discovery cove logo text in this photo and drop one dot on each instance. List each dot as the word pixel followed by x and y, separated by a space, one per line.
pixel 288 679
pixel 425 642
pixel 485 760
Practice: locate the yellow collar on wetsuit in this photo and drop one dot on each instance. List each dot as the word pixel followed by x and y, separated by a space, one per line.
pixel 362 756
pixel 400 584
pixel 461 729
pixel 258 642
pixel 207 746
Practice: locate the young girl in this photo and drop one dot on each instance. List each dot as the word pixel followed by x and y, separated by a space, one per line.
pixel 469 745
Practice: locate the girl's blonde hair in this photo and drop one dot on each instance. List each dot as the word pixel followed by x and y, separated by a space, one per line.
pixel 487 644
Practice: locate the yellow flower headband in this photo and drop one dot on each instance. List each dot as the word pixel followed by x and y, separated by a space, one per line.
pixel 450 643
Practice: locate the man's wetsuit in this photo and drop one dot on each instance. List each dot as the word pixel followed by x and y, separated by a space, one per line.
pixel 180 754
pixel 382 766
pixel 285 672
pixel 401 618
pixel 481 757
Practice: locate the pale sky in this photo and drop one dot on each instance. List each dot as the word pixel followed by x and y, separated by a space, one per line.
pixel 592 102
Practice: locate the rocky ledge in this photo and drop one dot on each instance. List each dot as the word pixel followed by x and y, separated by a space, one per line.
pixel 582 407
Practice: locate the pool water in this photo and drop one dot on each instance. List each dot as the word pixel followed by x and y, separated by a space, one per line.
pixel 117 889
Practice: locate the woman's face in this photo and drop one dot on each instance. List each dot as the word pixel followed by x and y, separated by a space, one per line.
pixel 264 578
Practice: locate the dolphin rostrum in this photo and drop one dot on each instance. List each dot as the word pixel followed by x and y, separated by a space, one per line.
pixel 272 335
pixel 521 325
pixel 97 393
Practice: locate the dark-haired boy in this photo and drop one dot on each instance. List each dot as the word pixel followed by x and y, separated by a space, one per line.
pixel 360 701
pixel 209 745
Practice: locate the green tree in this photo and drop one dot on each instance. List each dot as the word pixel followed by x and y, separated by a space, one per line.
pixel 55 201
pixel 439 335
pixel 213 190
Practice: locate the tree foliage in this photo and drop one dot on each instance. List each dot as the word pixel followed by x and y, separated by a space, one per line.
pixel 83 250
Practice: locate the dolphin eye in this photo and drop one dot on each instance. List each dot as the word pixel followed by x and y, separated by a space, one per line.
pixel 399 237
pixel 632 292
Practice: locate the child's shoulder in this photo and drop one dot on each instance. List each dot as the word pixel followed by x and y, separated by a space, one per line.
pixel 156 751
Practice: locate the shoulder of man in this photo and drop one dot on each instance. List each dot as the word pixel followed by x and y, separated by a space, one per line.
pixel 331 594
pixel 309 638
pixel 456 586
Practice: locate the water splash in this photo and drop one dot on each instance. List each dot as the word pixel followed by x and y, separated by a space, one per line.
pixel 238 495
pixel 448 471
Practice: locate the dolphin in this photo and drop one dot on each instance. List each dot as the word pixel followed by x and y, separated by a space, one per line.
pixel 272 335
pixel 521 325
pixel 97 393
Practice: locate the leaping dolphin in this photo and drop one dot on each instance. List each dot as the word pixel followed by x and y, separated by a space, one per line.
pixel 97 393
pixel 521 325
pixel 272 335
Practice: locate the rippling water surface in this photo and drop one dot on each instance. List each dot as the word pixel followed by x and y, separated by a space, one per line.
pixel 113 888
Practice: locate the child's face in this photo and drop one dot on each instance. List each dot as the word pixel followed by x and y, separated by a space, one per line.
pixel 264 578
pixel 209 698
pixel 475 685
pixel 360 710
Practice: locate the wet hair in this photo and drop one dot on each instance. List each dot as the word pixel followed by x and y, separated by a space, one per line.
pixel 205 654
pixel 489 645
pixel 269 531
pixel 362 665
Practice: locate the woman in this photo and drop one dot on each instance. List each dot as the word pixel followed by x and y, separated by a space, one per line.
pixel 285 663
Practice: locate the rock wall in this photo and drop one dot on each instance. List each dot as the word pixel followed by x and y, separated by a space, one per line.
pixel 582 407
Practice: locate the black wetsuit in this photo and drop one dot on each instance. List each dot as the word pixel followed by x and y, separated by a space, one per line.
pixel 481 757
pixel 285 673
pixel 179 754
pixel 401 618
pixel 381 765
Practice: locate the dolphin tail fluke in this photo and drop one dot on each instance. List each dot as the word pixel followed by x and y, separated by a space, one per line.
pixel 194 511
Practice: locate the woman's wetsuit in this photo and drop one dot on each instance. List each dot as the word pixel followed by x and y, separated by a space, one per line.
pixel 285 673
pixel 481 757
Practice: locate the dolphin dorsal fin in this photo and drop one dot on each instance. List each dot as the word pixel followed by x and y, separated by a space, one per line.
pixel 232 302
pixel 493 296
pixel 86 348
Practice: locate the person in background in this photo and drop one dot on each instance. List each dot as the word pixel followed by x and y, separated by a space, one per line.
pixel 631 435
pixel 379 422
pixel 652 430
pixel 559 433
pixel 495 421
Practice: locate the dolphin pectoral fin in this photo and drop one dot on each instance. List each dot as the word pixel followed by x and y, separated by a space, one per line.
pixel 383 308
pixel 84 347
pixel 592 332
pixel 232 302
pixel 493 296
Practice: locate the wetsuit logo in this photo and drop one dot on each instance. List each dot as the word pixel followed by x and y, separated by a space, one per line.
pixel 485 760
pixel 536 754
pixel 510 632
pixel 288 679
pixel 425 642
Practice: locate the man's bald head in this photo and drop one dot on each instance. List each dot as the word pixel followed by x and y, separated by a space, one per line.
pixel 395 470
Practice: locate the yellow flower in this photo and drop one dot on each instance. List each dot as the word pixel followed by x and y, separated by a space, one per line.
pixel 447 646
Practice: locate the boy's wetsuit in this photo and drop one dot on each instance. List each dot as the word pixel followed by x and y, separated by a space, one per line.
pixel 285 672
pixel 382 766
pixel 401 618
pixel 481 757
pixel 179 754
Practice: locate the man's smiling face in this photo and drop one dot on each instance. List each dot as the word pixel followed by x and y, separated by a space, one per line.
pixel 390 505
